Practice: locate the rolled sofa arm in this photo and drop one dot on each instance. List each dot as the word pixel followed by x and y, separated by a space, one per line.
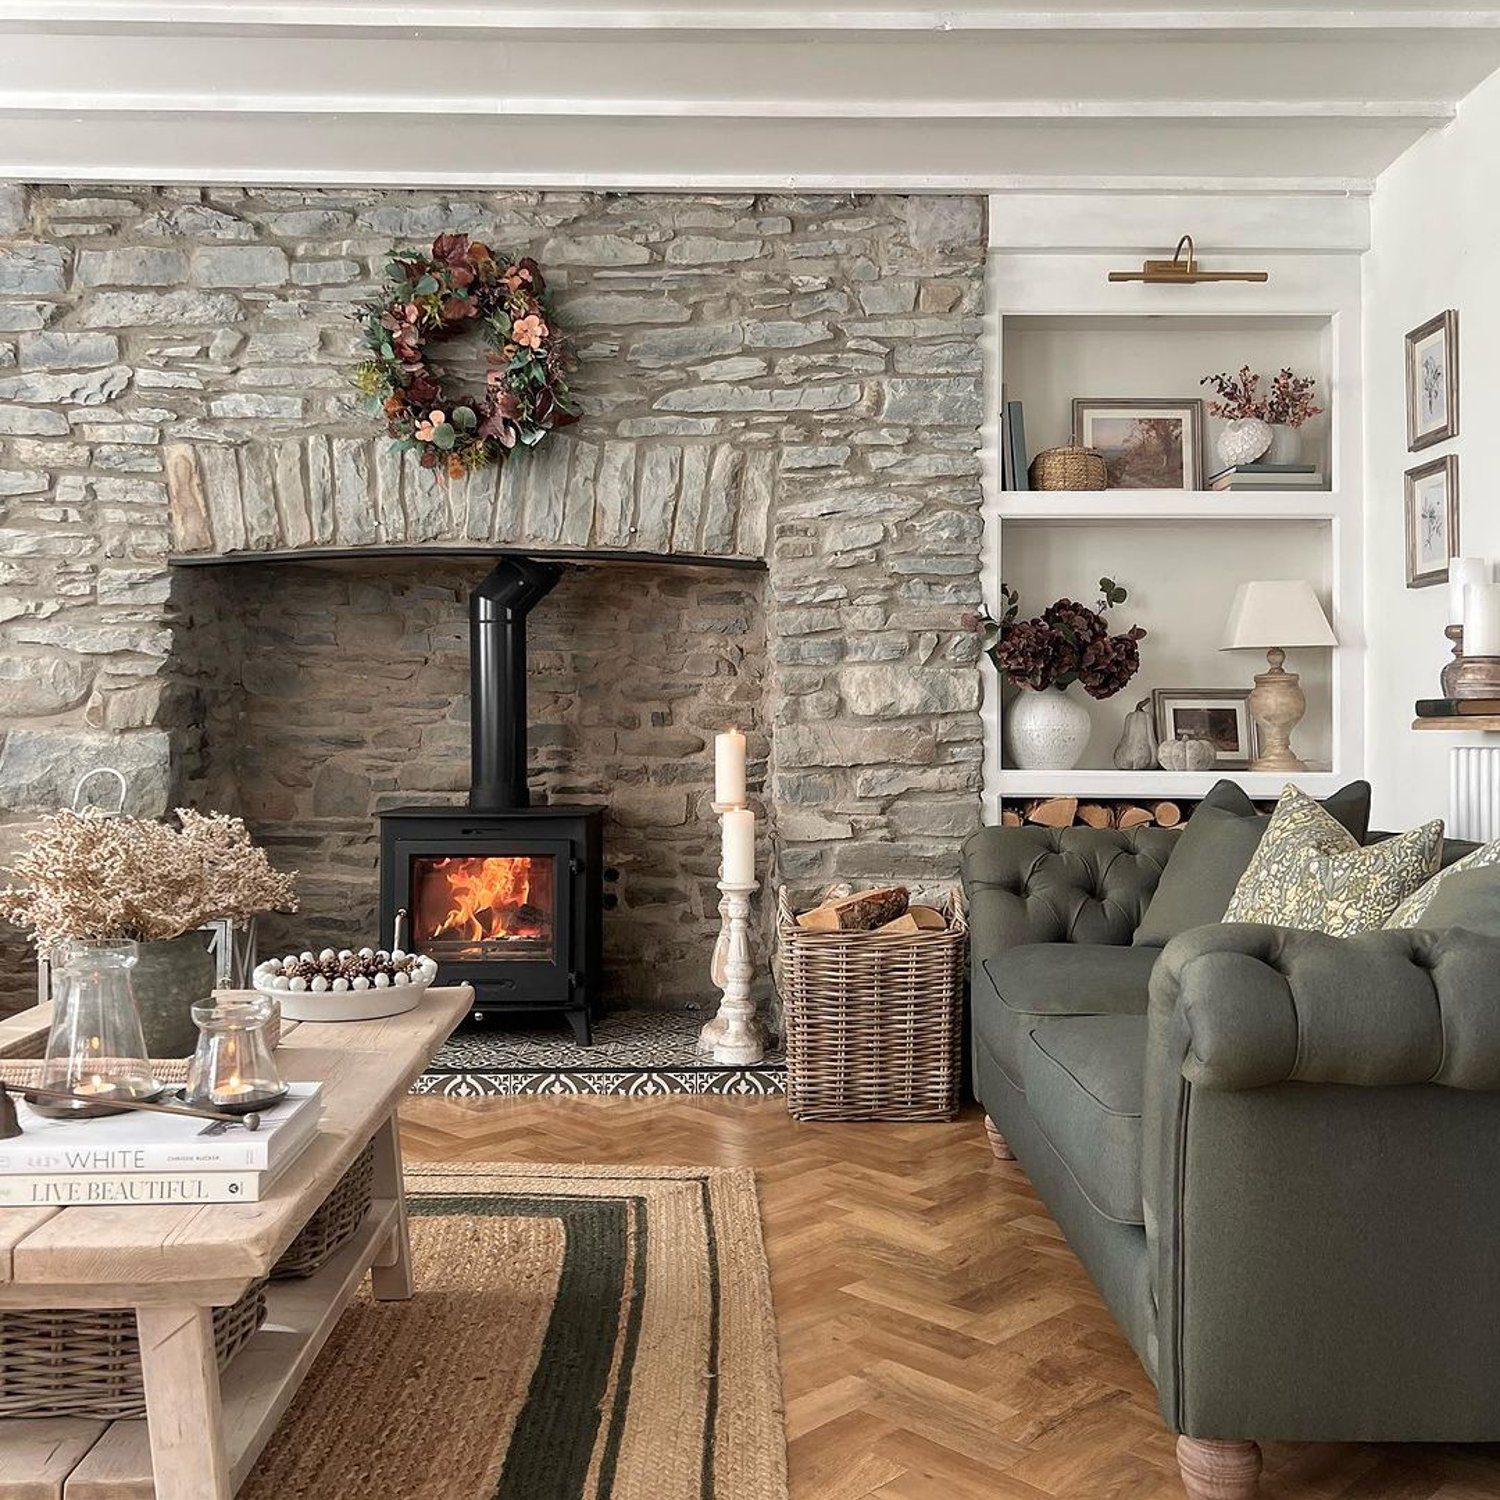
pixel 1059 885
pixel 1267 1005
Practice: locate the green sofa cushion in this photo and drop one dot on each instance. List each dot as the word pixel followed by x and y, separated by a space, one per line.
pixel 1055 979
pixel 1085 1080
pixel 1467 898
pixel 1214 850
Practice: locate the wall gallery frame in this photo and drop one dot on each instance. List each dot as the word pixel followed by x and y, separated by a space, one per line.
pixel 1221 715
pixel 1147 445
pixel 1432 382
pixel 1432 540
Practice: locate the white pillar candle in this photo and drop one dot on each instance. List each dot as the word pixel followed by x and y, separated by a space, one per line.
pixel 1482 619
pixel 729 768
pixel 739 846
pixel 1462 571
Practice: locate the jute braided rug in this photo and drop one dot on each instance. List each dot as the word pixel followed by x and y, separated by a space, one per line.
pixel 577 1333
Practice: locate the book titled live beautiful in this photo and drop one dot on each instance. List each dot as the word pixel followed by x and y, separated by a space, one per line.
pixel 136 1157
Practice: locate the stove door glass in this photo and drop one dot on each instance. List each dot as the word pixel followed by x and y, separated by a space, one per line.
pixel 470 908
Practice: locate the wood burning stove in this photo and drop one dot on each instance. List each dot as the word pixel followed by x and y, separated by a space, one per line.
pixel 505 896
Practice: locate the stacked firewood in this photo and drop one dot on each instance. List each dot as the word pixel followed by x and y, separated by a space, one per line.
pixel 1066 812
pixel 888 909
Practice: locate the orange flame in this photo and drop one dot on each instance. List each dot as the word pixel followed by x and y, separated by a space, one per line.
pixel 484 897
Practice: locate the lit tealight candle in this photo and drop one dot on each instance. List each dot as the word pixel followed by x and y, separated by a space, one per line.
pixel 729 768
pixel 739 846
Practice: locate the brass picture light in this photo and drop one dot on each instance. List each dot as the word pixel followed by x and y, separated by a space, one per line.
pixel 1183 270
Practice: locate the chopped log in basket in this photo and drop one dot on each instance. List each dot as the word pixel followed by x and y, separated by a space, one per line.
pixel 885 910
pixel 1068 812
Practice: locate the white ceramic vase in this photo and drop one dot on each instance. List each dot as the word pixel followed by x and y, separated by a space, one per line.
pixel 1048 730
pixel 1243 441
pixel 1286 445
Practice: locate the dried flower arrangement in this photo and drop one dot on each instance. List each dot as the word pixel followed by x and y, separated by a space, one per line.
pixel 464 285
pixel 1066 643
pixel 93 876
pixel 1289 402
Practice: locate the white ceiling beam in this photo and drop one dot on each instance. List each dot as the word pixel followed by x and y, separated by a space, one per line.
pixel 227 102
pixel 359 17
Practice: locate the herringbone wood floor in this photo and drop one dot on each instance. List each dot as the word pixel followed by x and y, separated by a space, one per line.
pixel 939 1341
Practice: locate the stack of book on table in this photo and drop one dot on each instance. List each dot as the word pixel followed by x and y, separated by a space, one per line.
pixel 135 1157
pixel 1269 477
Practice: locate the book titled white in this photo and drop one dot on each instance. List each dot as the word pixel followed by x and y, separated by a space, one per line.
pixel 136 1141
pixel 157 1189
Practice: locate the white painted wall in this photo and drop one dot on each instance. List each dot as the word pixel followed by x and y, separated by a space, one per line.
pixel 1434 237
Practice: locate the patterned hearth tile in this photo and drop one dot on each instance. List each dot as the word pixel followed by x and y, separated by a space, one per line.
pixel 635 1052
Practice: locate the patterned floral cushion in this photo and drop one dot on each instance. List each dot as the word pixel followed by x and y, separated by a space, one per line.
pixel 1414 908
pixel 1310 872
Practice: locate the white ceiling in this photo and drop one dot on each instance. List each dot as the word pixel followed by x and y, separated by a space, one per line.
pixel 1285 94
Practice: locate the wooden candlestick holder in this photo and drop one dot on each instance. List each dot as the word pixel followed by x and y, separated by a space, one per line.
pixel 733 1037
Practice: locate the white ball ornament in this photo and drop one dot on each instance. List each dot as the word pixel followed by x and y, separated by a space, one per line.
pixel 307 957
pixel 297 985
pixel 340 985
pixel 399 977
pixel 397 954
pixel 367 953
pixel 345 953
pixel 382 981
pixel 281 982
pixel 359 982
pixel 289 960
pixel 318 985
pixel 326 955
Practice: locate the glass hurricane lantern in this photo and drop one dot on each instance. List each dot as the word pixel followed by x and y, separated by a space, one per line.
pixel 232 1068
pixel 95 1049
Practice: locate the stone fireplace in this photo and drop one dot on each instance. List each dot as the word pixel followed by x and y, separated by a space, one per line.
pixel 216 576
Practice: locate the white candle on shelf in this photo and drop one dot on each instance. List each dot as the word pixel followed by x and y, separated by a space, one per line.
pixel 1482 619
pixel 729 768
pixel 739 846
pixel 1462 571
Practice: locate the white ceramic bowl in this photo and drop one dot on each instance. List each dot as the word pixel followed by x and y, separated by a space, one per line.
pixel 370 1004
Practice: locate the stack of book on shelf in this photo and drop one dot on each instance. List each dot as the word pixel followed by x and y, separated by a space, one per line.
pixel 1269 477
pixel 135 1157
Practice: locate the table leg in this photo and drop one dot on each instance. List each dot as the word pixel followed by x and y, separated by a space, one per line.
pixel 183 1414
pixel 390 1276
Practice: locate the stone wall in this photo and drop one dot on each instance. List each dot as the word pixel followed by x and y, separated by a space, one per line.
pixel 796 378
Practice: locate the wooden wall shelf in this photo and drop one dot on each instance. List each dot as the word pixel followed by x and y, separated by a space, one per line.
pixel 1461 724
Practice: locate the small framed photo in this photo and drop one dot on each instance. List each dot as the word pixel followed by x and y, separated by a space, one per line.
pixel 1218 714
pixel 1432 382
pixel 1431 521
pixel 1148 445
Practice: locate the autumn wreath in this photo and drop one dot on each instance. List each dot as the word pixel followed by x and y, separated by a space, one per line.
pixel 464 286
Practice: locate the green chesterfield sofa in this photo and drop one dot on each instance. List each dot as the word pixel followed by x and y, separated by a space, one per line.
pixel 1277 1153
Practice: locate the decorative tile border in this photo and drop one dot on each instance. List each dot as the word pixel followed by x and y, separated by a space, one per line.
pixel 632 1082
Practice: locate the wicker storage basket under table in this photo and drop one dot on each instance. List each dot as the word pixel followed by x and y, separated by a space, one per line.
pixel 87 1363
pixel 334 1223
pixel 874 1021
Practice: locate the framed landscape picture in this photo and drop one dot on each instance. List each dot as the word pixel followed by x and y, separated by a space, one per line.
pixel 1221 715
pixel 1147 445
pixel 1431 521
pixel 1432 382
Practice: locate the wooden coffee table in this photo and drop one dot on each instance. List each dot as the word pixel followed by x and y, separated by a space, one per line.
pixel 202 1433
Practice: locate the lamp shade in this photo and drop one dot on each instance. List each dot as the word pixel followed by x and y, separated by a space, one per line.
pixel 1276 612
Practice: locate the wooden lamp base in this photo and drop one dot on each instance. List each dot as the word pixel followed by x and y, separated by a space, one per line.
pixel 1278 705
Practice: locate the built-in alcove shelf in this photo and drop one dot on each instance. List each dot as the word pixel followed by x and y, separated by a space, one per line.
pixel 1153 786
pixel 1461 724
pixel 1058 508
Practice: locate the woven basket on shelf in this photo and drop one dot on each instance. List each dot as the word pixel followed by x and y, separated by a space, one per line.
pixel 334 1223
pixel 874 1021
pixel 87 1363
pixel 1069 468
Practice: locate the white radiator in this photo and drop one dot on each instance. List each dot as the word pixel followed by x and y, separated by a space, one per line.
pixel 1474 792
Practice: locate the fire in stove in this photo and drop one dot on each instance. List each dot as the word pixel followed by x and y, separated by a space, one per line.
pixel 483 905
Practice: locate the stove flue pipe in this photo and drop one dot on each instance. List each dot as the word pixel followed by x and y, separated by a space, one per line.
pixel 497 680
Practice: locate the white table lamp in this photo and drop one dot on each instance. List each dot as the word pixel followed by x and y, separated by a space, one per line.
pixel 1273 616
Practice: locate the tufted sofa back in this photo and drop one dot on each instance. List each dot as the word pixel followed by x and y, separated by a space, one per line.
pixel 1060 885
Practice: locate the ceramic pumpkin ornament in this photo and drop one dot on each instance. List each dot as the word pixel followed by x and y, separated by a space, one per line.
pixel 1186 753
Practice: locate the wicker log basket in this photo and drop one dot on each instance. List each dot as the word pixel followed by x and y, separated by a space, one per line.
pixel 335 1222
pixel 87 1363
pixel 874 1020
pixel 1069 468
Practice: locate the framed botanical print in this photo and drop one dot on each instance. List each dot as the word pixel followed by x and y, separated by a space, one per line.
pixel 1431 521
pixel 1432 382
pixel 1221 715
pixel 1147 445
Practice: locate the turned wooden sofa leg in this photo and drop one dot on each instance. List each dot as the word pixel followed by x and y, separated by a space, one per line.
pixel 997 1142
pixel 1214 1470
